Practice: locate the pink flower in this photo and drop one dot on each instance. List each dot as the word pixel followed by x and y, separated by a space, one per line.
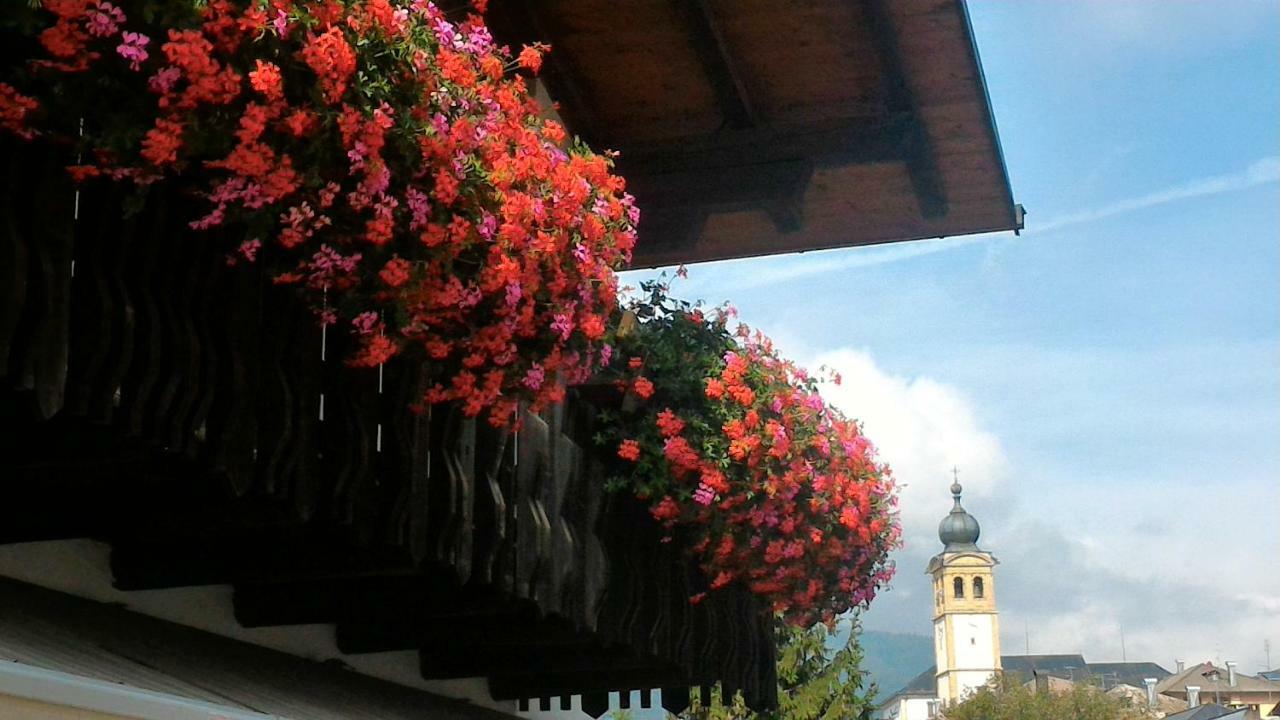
pixel 365 323
pixel 513 295
pixel 134 49
pixel 104 20
pixel 163 81
pixel 561 325
pixel 534 377
pixel 487 226
pixel 249 249
pixel 704 495
pixel 281 23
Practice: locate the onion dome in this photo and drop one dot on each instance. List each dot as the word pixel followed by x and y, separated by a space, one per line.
pixel 958 530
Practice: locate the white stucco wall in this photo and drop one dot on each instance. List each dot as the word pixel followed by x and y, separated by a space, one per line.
pixel 906 709
pixel 971 681
pixel 974 641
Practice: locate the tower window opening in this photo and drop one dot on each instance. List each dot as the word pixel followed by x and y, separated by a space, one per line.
pixel 979 591
pixel 958 584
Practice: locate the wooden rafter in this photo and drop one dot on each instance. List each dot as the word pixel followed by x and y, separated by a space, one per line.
pixel 853 141
pixel 922 167
pixel 717 61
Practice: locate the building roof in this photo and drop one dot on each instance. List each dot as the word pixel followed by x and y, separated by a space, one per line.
pixel 873 125
pixel 1137 697
pixel 1066 667
pixel 1127 673
pixel 53 632
pixel 1270 674
pixel 923 685
pixel 1202 675
pixel 1212 711
pixel 958 531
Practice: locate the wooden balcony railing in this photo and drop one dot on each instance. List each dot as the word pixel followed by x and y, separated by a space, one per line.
pixel 194 417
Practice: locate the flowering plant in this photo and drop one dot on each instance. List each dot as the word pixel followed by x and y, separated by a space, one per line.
pixel 385 160
pixel 733 445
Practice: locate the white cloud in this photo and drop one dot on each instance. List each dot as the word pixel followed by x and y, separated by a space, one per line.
pixel 1078 567
pixel 1261 172
pixel 922 428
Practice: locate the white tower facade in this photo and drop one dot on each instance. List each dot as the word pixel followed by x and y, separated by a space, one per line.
pixel 966 627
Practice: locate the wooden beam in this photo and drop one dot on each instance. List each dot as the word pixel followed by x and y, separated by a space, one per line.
pixel 843 142
pixel 717 61
pixel 721 187
pixel 922 166
pixel 298 554
pixel 677 203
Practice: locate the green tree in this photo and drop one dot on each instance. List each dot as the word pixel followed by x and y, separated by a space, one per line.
pixel 819 678
pixel 1015 701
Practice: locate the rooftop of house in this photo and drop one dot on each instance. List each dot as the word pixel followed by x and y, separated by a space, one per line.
pixel 1127 673
pixel 1211 711
pixel 1062 667
pixel 1137 697
pixel 1209 677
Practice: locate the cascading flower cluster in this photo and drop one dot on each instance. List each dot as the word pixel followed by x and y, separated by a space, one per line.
pixel 386 160
pixel 733 445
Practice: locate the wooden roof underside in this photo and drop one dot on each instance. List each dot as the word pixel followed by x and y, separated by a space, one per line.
pixel 755 127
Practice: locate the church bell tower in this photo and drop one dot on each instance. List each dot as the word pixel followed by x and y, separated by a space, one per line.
pixel 966 628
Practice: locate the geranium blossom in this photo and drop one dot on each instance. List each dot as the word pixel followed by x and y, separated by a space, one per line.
pixel 778 490
pixel 434 196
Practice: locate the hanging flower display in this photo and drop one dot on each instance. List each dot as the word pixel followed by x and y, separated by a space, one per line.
pixel 386 160
pixel 733 446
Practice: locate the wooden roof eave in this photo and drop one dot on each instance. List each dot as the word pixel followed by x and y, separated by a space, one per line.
pixel 747 157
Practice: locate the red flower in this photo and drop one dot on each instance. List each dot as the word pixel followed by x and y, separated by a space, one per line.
pixel 266 79
pixel 666 510
pixel 14 108
pixel 592 326
pixel 530 57
pixel 395 273
pixel 162 142
pixel 629 450
pixel 681 456
pixel 333 61
pixel 374 350
pixel 299 122
pixel 668 424
pixel 519 240
pixel 643 387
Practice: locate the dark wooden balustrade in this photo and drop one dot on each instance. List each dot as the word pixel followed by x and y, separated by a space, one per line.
pixel 181 410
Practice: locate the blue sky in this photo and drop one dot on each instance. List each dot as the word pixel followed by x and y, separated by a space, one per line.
pixel 1109 382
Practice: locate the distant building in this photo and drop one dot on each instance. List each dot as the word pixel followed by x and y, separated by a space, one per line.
pixel 1158 705
pixel 965 623
pixel 967 636
pixel 1208 683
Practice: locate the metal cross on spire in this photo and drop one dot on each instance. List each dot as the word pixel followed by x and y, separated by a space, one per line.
pixel 955 473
